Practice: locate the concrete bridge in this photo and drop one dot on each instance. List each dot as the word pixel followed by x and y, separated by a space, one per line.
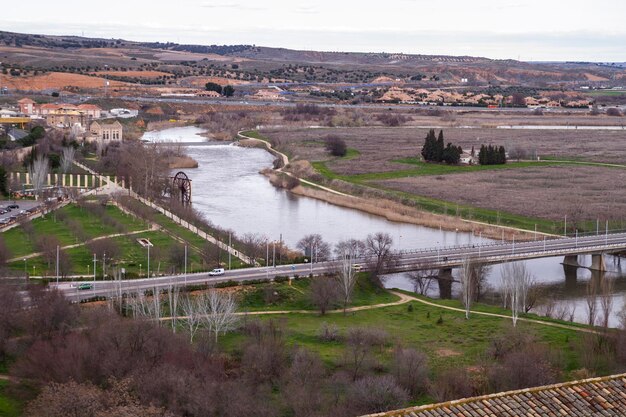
pixel 441 260
pixel 569 247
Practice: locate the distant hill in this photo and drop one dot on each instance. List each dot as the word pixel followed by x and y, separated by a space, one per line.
pixel 190 65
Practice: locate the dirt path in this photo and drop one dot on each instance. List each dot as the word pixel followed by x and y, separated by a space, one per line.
pixel 403 299
pixel 285 160
pixel 504 316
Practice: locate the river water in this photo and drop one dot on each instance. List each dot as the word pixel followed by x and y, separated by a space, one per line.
pixel 228 189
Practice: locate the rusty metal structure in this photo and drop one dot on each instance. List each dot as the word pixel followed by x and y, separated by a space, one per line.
pixel 181 188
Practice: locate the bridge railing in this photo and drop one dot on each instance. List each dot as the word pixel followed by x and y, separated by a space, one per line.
pixel 500 244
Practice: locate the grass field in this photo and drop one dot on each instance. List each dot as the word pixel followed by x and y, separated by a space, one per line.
pixel 446 336
pixel 130 255
pixel 297 296
pixel 570 182
pixel 9 407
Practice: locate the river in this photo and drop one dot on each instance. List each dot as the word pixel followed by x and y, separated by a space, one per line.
pixel 228 189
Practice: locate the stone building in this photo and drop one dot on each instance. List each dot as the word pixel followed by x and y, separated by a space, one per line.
pixel 107 131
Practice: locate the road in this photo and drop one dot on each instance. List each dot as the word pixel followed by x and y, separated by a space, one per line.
pixel 433 258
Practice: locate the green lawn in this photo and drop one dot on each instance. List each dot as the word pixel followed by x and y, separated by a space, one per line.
pixel 296 296
pixel 131 254
pixel 9 407
pixel 447 338
pixel 21 244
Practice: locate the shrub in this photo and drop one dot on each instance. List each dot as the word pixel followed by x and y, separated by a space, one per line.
pixel 328 333
pixel 336 146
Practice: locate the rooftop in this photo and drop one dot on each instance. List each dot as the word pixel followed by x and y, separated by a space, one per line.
pixel 604 396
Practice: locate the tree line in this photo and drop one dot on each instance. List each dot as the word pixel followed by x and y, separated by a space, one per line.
pixel 435 151
pixel 491 155
pixel 227 91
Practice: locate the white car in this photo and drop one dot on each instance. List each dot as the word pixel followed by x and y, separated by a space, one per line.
pixel 216 272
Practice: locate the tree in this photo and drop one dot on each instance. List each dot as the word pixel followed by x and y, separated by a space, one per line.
pixel 253 245
pixel 422 280
pixel 516 284
pixel 4 182
pixel 67 159
pixel 410 368
pixel 228 91
pixel 354 247
pixel 606 300
pixel 324 293
pixel 375 394
pixel 467 278
pixel 429 150
pixel 211 86
pixel 439 148
pixel 314 247
pixel 191 311
pixel 218 311
pixel 345 274
pixel 378 249
pixel 336 146
pixel 451 154
pixel 38 172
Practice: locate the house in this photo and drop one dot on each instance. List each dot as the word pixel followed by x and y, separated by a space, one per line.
pixel 67 118
pixel 91 110
pixel 210 94
pixel 27 106
pixel 107 131
pixel 605 396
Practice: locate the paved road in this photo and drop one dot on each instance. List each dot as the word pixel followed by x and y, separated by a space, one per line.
pixel 434 258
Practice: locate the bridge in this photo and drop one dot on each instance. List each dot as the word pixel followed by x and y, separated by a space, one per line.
pixel 441 259
pixel 569 247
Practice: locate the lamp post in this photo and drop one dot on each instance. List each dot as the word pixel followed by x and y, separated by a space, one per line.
pixel 25 271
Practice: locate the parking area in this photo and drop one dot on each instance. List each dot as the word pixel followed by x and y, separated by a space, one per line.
pixel 12 210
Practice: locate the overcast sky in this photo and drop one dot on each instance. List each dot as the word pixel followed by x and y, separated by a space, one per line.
pixel 524 29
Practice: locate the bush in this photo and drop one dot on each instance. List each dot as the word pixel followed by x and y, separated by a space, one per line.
pixel 281 278
pixel 336 146
pixel 613 112
pixel 328 333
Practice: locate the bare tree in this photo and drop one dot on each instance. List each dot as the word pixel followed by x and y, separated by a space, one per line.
pixel 354 246
pixel 253 245
pixel 346 275
pixel 67 159
pixel 323 293
pixel 190 308
pixel 606 300
pixel 592 304
pixel 422 280
pixel 38 172
pixel 467 285
pixel 173 294
pixel 410 368
pixel 378 248
pixel 516 284
pixel 375 394
pixel 218 311
pixel 314 247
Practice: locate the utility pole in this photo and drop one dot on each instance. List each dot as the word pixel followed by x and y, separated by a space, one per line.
pixel 57 265
pixel 311 258
pixel 267 252
pixel 274 254
pixel 104 266
pixel 280 250
pixel 94 274
pixel 148 267
pixel 230 248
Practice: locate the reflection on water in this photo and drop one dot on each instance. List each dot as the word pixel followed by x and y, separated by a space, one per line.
pixel 230 192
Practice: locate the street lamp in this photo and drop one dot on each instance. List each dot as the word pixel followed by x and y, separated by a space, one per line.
pixel 25 271
pixel 139 269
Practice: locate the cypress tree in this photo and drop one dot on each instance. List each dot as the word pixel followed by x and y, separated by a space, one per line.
pixel 439 146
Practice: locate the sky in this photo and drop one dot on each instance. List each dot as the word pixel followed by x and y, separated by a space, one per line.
pixel 530 30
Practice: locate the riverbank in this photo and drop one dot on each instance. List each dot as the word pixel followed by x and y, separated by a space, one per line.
pixel 391 210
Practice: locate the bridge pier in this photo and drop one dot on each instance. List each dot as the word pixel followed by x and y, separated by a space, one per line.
pixel 571 276
pixel 597 262
pixel 444 279
pixel 571 260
